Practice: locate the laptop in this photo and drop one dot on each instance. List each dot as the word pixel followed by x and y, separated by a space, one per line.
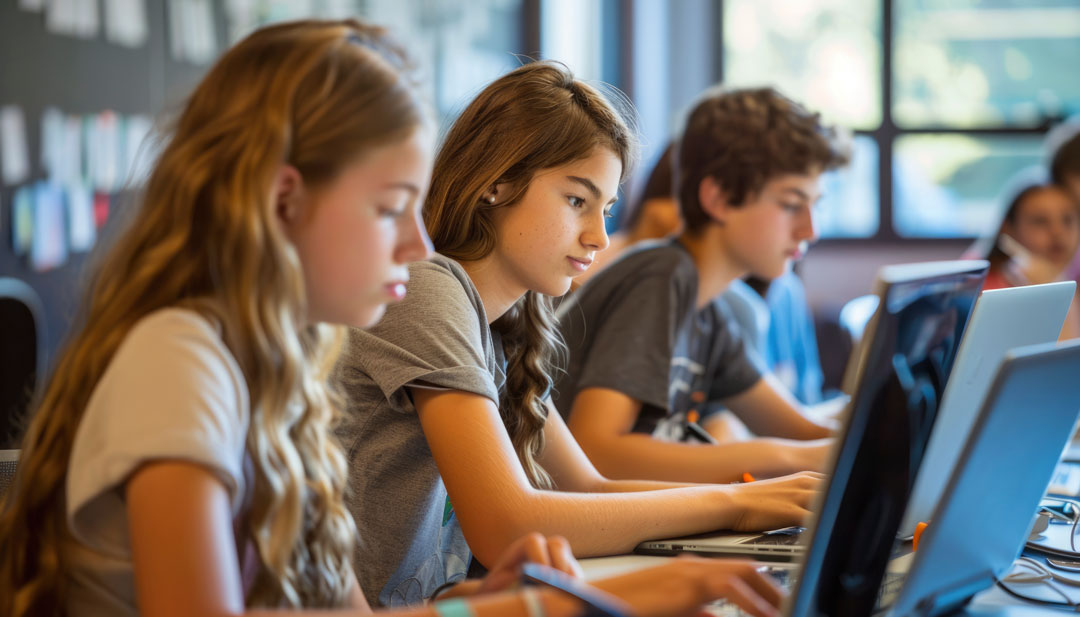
pixel 922 311
pixel 1003 319
pixel 985 513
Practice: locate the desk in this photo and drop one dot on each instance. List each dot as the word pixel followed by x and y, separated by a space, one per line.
pixel 990 603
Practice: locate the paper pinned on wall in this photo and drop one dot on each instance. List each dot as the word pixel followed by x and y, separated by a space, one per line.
pixel 102 141
pixel 71 153
pixel 192 35
pixel 61 17
pixel 14 158
pixel 140 150
pixel 177 15
pixel 101 209
pixel 87 21
pixel 49 248
pixel 82 231
pixel 22 220
pixel 242 17
pixel 125 22
pixel 52 140
pixel 201 34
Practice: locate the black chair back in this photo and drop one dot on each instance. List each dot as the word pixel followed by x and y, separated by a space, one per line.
pixel 8 462
pixel 22 356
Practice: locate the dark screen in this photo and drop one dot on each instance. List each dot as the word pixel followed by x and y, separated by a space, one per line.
pixel 909 356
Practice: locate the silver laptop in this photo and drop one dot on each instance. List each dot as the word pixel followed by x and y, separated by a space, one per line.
pixel 921 315
pixel 985 512
pixel 1003 319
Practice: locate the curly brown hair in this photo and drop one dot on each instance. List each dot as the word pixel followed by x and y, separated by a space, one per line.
pixel 744 138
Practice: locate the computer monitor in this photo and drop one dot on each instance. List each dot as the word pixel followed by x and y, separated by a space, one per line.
pixel 909 347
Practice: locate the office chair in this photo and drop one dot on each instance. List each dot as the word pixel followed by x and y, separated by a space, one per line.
pixel 8 461
pixel 22 356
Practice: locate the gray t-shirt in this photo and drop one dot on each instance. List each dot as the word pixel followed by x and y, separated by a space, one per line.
pixel 634 328
pixel 437 337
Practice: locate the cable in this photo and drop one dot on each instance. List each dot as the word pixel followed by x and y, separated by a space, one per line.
pixel 1038 574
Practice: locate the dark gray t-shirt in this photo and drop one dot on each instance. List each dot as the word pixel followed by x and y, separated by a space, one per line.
pixel 437 337
pixel 634 328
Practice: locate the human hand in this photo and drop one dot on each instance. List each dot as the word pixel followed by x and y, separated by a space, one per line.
pixel 682 586
pixel 551 551
pixel 775 503
pixel 810 455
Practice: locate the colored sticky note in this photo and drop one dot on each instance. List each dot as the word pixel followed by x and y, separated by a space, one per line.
pixel 14 158
pixel 49 248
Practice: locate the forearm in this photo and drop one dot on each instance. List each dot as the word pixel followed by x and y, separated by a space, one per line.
pixel 597 523
pixel 606 485
pixel 797 426
pixel 641 456
pixel 769 410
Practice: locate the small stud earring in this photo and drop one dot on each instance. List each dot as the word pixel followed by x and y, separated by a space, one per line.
pixel 490 199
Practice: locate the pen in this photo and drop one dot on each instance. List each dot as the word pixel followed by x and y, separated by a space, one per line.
pixel 693 429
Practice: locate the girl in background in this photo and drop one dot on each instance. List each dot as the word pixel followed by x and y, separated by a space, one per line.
pixel 1036 242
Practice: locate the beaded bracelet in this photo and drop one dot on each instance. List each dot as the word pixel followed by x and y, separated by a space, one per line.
pixel 454 607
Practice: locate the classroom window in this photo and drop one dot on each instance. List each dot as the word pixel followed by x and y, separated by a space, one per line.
pixel 955 185
pixel 957 107
pixel 849 202
pixel 984 63
pixel 825 54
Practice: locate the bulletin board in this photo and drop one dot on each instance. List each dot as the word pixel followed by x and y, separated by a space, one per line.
pixel 81 75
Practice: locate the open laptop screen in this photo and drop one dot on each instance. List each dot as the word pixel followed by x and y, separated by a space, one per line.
pixel 912 342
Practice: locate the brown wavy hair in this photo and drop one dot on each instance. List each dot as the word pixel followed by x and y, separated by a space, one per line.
pixel 315 95
pixel 743 139
pixel 534 118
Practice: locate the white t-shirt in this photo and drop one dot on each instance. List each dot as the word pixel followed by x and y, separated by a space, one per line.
pixel 173 391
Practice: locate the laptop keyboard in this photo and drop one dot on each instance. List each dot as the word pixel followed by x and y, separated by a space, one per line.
pixel 780 537
pixel 785 577
pixel 777 540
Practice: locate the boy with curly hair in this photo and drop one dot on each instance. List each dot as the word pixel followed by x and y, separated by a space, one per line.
pixel 650 348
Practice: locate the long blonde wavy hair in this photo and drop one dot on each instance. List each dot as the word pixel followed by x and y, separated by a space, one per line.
pixel 534 118
pixel 315 95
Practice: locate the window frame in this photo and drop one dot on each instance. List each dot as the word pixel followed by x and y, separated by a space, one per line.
pixel 886 135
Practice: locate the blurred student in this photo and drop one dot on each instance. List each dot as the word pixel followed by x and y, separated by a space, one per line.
pixel 454 450
pixel 649 346
pixel 773 316
pixel 1036 242
pixel 180 462
pixel 655 214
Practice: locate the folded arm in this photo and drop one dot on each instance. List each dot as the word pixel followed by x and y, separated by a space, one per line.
pixel 601 420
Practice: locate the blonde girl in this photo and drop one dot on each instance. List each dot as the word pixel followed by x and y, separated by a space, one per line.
pixel 453 449
pixel 180 461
